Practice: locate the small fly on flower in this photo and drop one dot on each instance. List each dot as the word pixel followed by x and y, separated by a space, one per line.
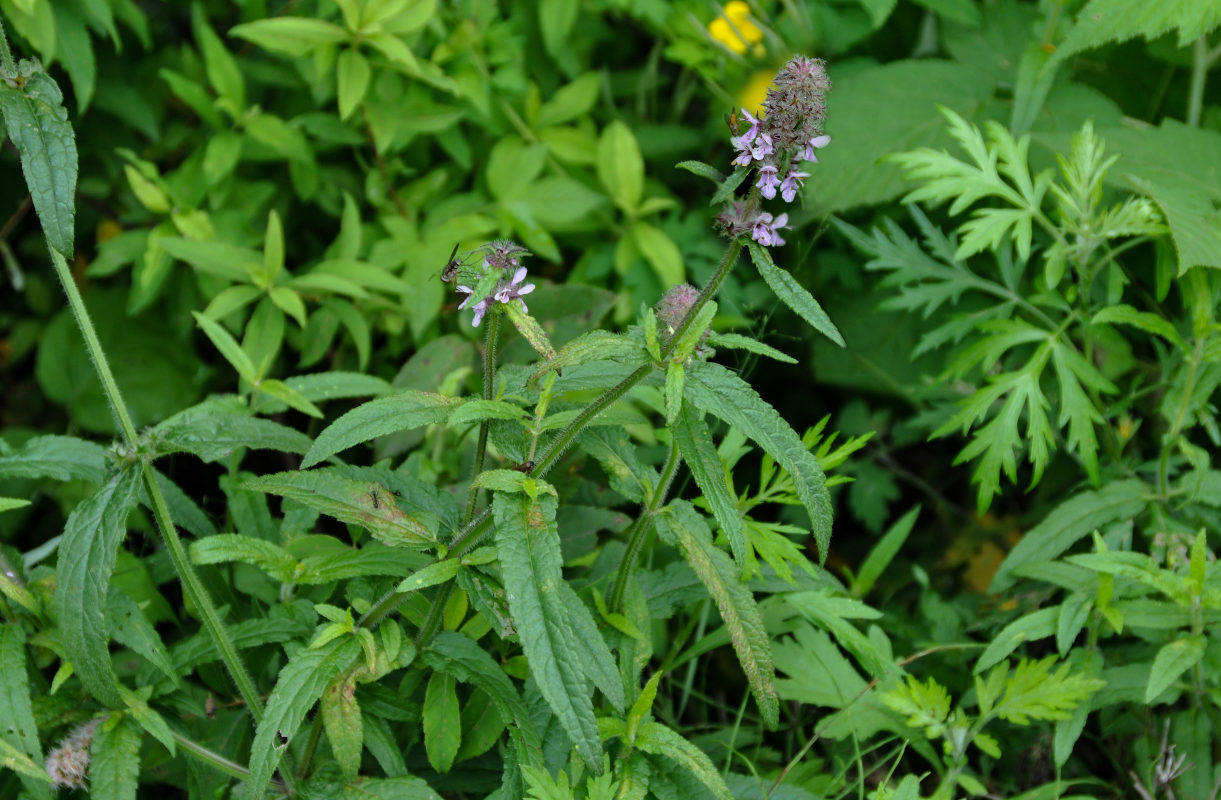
pixel 457 261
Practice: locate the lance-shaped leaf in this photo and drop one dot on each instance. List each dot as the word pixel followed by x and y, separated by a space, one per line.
pixel 591 647
pixel 267 556
pixel 698 451
pixel 793 294
pixel 442 721
pixel 213 429
pixel 363 503
pixel 379 417
pixel 60 457
pixel 344 729
pixel 531 562
pixel 87 555
pixel 114 769
pixel 468 662
pixel 131 628
pixel 530 330
pixel 720 392
pixel 37 123
pixel 684 526
pixel 597 345
pixel 298 687
pixel 19 730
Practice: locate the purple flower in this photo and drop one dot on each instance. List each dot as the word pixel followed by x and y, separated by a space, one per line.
pixel 480 308
pixel 792 181
pixel 761 147
pixel 745 139
pixel 769 179
pixel 766 229
pixel 815 143
pixel 514 289
pixel 744 156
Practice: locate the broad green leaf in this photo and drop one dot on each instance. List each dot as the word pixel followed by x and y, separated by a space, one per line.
pixel 363 503
pixel 620 166
pixel 657 739
pixel 592 650
pixel 597 345
pixel 232 299
pixel 37 124
pixel 114 770
pixel 793 294
pixel 555 21
pixel 531 563
pixel 19 731
pixel 344 729
pixel 675 375
pixel 832 615
pixel 571 101
pixel 442 722
pixel 62 458
pixel 299 685
pixel 400 412
pixel 92 535
pixel 661 252
pixel 1069 522
pixel 1036 625
pixel 682 525
pixel 354 73
pixel 288 395
pixel 703 170
pixel 435 573
pixel 1102 21
pixel 713 388
pixel 1171 661
pixel 228 347
pixel 213 258
pixel 342 562
pixel 130 627
pixel 216 427
pixel 699 453
pixel 292 36
pixel 850 172
pixel 479 410
pixel 468 662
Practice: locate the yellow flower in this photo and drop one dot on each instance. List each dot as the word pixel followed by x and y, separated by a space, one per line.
pixel 734 29
pixel 754 92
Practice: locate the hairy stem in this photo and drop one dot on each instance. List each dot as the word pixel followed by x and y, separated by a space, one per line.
pixel 216 760
pixel 191 584
pixel 642 528
pixel 489 377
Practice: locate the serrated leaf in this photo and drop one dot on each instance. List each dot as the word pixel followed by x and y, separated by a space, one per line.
pixel 1102 21
pixel 62 458
pixel 592 651
pixel 924 706
pixel 23 765
pixel 659 740
pixel 596 345
pixel 216 427
pixel 531 563
pixel 298 686
pixel 37 123
pixel 699 453
pixel 674 391
pixel 715 389
pixel 1034 691
pixel 130 627
pixel 442 722
pixel 1172 660
pixel 400 412
pixel 344 727
pixel 1145 320
pixel 20 730
pixel 479 410
pixel 363 503
pixel 683 525
pixel 793 294
pixel 87 553
pixel 200 649
pixel 734 341
pixel 267 556
pixel 114 769
pixel 1069 522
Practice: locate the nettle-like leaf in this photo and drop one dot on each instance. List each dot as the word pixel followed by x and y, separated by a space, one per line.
pixel 998 168
pixel 531 562
pixel 682 525
pixel 1033 691
pixel 1102 21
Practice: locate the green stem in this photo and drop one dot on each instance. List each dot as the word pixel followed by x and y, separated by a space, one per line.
pixel 311 746
pixel 642 528
pixel 7 66
pixel 230 768
pixel 191 584
pixel 1189 386
pixel 1200 63
pixel 489 377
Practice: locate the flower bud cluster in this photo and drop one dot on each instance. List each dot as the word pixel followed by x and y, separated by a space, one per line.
pixel 789 130
pixel 68 764
pixel 503 257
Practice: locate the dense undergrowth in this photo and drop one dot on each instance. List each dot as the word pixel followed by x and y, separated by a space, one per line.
pixel 416 399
